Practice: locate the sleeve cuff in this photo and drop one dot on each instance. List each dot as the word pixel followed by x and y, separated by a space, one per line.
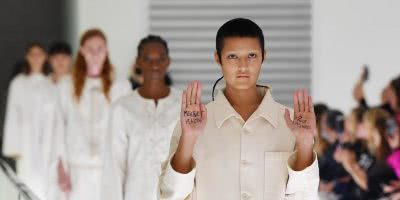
pixel 178 183
pixel 304 180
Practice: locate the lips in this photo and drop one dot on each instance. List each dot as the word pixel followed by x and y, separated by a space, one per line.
pixel 243 76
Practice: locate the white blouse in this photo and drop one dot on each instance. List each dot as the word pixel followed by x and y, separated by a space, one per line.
pixel 138 144
pixel 80 129
pixel 84 124
pixel 27 130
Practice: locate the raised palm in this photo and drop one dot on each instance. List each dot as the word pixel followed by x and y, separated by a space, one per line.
pixel 303 125
pixel 193 112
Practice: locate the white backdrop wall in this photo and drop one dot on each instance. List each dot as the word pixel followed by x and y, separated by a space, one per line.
pixel 347 34
pixel 124 22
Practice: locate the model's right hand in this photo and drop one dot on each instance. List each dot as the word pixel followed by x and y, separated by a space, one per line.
pixel 64 181
pixel 193 122
pixel 193 112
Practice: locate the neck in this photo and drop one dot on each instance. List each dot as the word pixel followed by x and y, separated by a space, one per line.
pixel 245 102
pixel 248 97
pixel 154 89
pixel 36 69
pixel 55 77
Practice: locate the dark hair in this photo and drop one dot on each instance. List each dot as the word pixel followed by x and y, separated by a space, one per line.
pixel 321 144
pixel 26 68
pixel 320 109
pixel 395 84
pixel 60 47
pixel 154 39
pixel 151 39
pixel 238 27
pixel 335 120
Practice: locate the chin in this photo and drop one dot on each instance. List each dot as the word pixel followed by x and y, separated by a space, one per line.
pixel 156 77
pixel 242 86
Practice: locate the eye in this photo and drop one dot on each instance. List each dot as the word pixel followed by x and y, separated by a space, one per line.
pixel 232 56
pixel 252 55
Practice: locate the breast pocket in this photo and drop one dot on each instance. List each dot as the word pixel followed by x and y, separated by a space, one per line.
pixel 276 175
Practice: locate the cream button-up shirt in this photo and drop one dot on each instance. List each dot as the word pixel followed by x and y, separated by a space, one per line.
pixel 242 160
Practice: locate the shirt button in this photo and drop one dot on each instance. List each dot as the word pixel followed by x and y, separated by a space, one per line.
pixel 245 131
pixel 245 196
pixel 244 162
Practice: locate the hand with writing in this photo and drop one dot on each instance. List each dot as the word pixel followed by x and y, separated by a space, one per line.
pixel 193 122
pixel 304 124
pixel 193 112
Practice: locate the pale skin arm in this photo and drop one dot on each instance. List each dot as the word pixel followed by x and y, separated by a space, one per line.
pixel 193 121
pixel 303 127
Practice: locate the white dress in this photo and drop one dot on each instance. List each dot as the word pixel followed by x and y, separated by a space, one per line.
pixel 81 132
pixel 27 131
pixel 137 145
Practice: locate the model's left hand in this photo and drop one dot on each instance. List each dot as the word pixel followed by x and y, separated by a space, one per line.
pixel 304 125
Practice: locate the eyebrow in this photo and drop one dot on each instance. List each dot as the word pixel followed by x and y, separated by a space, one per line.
pixel 250 51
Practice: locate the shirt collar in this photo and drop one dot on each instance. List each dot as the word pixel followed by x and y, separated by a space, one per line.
pixel 93 83
pixel 268 109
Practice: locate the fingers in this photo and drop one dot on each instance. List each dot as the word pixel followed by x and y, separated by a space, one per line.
pixel 306 103
pixel 302 101
pixel 194 93
pixel 311 104
pixel 188 93
pixel 296 102
pixel 288 121
pixel 300 95
pixel 198 93
pixel 184 105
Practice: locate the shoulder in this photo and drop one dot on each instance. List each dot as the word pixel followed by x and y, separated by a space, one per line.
pixel 121 84
pixel 18 80
pixel 281 109
pixel 120 88
pixel 125 102
pixel 176 94
pixel 65 81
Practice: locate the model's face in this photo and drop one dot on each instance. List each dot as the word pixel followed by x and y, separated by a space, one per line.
pixel 36 58
pixel 241 60
pixel 153 61
pixel 60 63
pixel 94 50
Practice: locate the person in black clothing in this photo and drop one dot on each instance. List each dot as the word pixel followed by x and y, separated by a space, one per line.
pixel 370 172
pixel 333 176
pixel 321 111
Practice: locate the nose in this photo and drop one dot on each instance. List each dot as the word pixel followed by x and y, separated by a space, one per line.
pixel 154 63
pixel 243 65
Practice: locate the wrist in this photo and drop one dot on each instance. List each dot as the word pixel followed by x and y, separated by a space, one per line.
pixel 350 166
pixel 305 145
